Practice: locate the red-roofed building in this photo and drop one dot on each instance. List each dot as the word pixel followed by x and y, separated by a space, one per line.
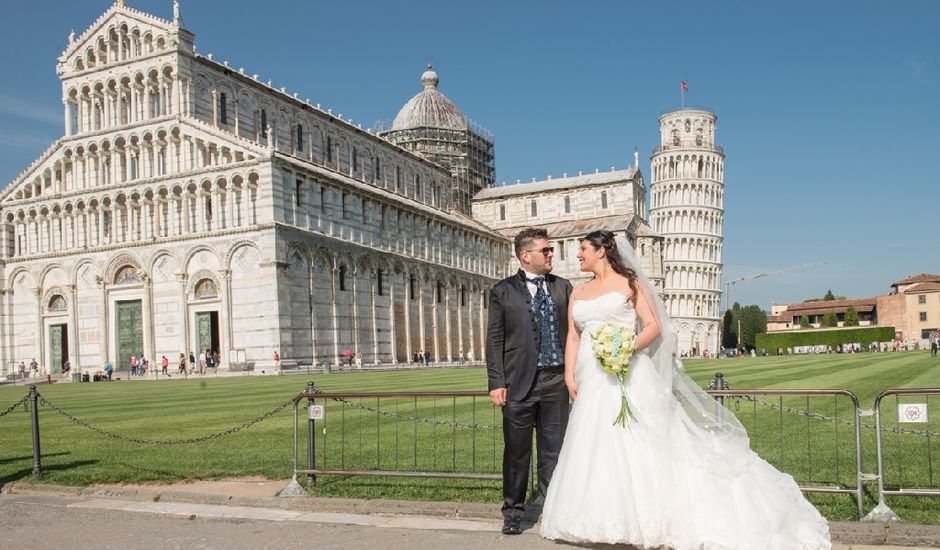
pixel 912 308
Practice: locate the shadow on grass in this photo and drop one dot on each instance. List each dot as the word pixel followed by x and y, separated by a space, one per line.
pixel 28 472
pixel 28 457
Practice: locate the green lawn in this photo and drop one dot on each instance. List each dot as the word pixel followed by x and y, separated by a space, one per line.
pixel 811 439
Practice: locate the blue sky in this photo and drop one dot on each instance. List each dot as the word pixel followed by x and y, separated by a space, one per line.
pixel 827 110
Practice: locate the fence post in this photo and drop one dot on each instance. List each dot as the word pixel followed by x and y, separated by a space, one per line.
pixel 34 413
pixel 311 435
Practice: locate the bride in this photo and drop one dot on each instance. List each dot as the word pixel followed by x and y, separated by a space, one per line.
pixel 680 473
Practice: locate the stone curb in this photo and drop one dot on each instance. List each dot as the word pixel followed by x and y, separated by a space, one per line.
pixel 857 533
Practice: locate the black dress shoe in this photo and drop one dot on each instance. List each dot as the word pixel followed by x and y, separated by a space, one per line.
pixel 512 527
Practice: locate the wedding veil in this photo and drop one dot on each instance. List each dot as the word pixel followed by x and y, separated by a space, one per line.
pixel 713 426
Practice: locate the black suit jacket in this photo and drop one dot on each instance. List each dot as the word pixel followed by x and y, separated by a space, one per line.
pixel 513 337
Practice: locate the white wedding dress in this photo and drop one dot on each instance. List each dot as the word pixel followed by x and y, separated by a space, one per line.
pixel 658 482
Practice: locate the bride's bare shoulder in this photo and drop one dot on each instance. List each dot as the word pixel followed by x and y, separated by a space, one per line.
pixel 581 291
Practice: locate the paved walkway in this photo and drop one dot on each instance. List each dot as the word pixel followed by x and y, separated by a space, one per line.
pixel 209 515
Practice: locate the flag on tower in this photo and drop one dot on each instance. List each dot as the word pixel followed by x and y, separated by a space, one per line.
pixel 685 87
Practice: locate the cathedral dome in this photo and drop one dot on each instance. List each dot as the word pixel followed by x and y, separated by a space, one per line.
pixel 429 108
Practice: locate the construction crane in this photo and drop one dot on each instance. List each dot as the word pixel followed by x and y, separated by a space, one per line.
pixel 728 285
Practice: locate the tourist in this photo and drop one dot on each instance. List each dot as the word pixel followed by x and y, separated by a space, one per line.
pixel 164 363
pixel 277 362
pixel 34 366
pixel 182 362
pixel 109 369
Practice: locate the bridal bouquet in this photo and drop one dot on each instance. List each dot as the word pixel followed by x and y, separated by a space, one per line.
pixel 613 345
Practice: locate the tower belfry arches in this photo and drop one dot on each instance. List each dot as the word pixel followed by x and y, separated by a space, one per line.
pixel 687 209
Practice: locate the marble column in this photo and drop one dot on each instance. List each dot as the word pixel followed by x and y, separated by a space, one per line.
pixel 74 338
pixel 375 328
pixel 181 280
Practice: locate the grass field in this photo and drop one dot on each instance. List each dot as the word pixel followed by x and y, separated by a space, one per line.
pixel 812 439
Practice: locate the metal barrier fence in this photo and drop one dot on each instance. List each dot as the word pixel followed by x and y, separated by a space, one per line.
pixel 905 450
pixel 457 435
pixel 813 473
pixel 400 434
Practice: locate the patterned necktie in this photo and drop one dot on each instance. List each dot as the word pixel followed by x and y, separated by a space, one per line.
pixel 539 291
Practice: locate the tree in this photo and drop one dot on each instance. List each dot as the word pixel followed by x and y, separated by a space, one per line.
pixel 851 317
pixel 830 320
pixel 753 322
pixel 729 337
pixel 828 297
pixel 804 322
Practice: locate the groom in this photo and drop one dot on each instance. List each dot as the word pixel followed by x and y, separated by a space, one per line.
pixel 525 363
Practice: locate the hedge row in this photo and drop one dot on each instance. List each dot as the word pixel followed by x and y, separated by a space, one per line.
pixel 865 335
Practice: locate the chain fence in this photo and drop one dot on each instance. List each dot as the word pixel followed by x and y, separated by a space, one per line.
pixel 832 419
pixel 24 401
pixel 188 441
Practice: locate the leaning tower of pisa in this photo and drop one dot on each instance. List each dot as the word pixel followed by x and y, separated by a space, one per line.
pixel 687 209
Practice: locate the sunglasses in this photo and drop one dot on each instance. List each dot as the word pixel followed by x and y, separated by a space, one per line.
pixel 545 251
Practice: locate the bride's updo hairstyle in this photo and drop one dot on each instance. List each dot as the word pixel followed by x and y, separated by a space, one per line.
pixel 605 239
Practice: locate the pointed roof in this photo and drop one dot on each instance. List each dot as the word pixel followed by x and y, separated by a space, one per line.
pixel 919 278
pixel 117 8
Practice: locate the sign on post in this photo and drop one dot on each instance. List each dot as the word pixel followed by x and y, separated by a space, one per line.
pixel 316 412
pixel 912 412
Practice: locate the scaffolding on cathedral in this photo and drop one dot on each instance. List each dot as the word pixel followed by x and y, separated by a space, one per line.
pixel 469 154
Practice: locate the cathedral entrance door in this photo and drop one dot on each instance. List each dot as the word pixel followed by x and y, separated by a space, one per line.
pixel 58 347
pixel 207 330
pixel 130 332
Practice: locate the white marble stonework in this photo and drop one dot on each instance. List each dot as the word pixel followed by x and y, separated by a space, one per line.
pixel 188 203
pixel 194 188
pixel 569 208
pixel 687 209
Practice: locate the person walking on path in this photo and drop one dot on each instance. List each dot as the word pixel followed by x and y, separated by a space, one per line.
pixel 164 363
pixel 525 364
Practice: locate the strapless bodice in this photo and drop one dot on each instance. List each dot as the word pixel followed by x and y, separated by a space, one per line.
pixel 610 306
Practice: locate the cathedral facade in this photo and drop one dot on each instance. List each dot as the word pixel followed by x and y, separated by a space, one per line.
pixel 190 206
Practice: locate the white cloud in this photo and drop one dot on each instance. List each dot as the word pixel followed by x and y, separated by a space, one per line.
pixel 12 106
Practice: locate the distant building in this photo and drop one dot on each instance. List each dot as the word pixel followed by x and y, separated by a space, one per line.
pixel 912 308
pixel 571 207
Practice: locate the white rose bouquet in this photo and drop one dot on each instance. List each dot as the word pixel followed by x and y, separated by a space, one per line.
pixel 613 345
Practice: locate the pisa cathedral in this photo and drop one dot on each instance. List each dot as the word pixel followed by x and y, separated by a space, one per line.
pixel 190 206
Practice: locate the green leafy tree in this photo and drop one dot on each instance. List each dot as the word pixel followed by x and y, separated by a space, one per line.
pixel 830 320
pixel 753 322
pixel 829 296
pixel 851 317
pixel 729 336
pixel 804 322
